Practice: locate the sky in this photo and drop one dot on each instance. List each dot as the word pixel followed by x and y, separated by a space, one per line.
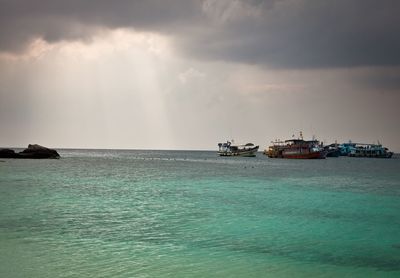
pixel 180 74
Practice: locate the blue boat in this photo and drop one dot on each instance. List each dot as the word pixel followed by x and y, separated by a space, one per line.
pixel 346 148
pixel 370 150
pixel 364 150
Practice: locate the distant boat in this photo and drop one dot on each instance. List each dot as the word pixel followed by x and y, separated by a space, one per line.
pixel 370 150
pixel 364 150
pixel 332 150
pixel 296 149
pixel 229 149
pixel 346 148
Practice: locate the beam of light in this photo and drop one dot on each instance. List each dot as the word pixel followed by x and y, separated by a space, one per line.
pixel 105 91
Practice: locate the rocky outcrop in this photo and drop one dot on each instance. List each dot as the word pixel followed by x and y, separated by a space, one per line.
pixel 7 153
pixel 33 151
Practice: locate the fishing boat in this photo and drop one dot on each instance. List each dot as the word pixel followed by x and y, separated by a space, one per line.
pixel 230 149
pixel 346 148
pixel 332 150
pixel 296 149
pixel 370 150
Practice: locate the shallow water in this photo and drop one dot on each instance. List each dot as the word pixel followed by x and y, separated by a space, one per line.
pixel 106 213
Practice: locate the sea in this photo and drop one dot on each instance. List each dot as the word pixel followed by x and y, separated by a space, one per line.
pixel 145 213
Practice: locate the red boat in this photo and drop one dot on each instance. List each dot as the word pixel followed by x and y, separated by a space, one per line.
pixel 296 149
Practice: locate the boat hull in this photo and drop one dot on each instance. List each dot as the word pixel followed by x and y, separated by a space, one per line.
pixel 385 155
pixel 334 153
pixel 313 155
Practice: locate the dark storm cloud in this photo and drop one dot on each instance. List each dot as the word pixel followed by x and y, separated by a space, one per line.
pixel 276 33
pixel 311 34
pixel 55 20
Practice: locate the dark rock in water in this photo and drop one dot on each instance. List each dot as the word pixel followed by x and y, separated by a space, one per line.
pixel 33 151
pixel 7 153
pixel 37 151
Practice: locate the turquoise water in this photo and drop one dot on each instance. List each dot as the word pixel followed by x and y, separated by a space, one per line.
pixel 193 214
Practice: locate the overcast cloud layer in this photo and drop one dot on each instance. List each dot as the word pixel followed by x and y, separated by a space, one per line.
pixel 280 33
pixel 186 74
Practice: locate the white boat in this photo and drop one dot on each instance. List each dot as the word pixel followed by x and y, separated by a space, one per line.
pixel 229 149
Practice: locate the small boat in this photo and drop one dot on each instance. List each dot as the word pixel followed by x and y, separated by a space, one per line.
pixel 229 149
pixel 296 149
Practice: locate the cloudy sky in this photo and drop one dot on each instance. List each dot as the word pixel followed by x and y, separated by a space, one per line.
pixel 180 74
